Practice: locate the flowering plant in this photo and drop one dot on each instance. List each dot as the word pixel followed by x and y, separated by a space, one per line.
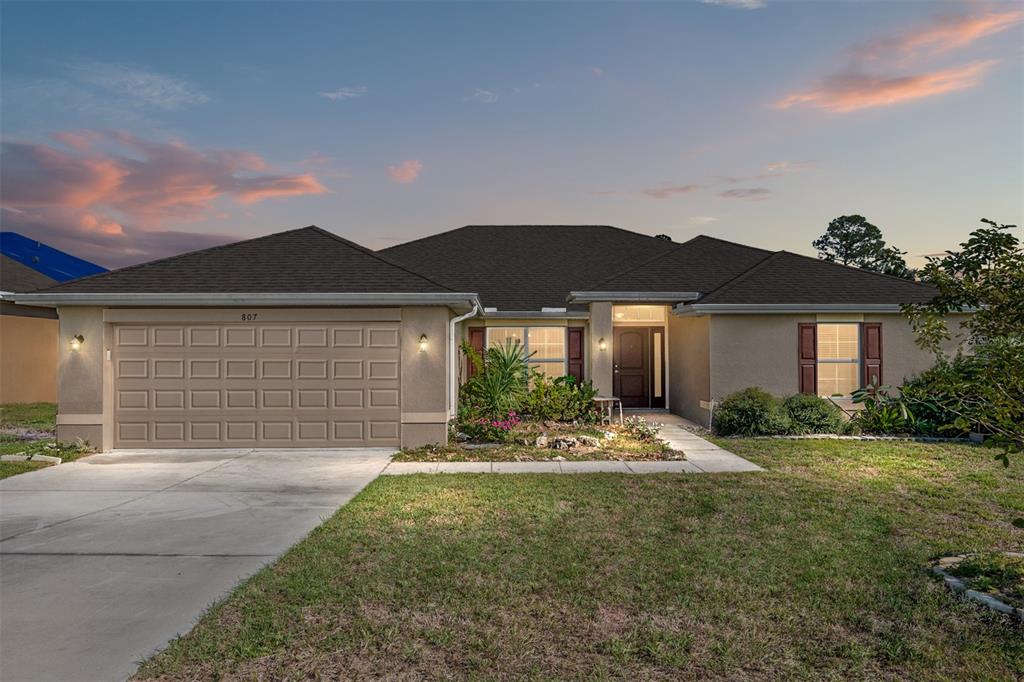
pixel 491 430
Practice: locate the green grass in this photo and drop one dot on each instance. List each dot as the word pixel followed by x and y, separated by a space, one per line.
pixel 36 416
pixel 815 569
pixel 68 452
pixel 15 468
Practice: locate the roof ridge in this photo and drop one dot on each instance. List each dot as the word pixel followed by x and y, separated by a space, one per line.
pixel 374 254
pixel 650 260
pixel 741 276
pixel 428 236
pixel 679 246
pixel 179 255
pixel 857 269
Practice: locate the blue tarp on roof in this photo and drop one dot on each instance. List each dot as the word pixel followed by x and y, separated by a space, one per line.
pixel 51 262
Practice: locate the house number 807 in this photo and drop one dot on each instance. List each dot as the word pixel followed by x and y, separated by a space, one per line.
pixel 249 317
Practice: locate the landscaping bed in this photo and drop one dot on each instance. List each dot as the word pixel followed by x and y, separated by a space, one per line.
pixel 816 569
pixel 539 441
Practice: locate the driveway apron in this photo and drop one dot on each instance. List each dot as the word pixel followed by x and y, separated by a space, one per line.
pixel 104 560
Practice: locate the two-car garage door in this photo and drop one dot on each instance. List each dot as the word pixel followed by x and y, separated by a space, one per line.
pixel 257 385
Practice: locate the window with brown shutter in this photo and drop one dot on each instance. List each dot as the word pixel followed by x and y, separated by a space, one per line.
pixel 575 353
pixel 871 353
pixel 477 340
pixel 807 354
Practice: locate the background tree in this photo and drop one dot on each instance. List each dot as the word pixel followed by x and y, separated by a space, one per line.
pixel 982 389
pixel 852 240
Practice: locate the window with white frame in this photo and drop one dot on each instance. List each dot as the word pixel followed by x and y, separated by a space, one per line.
pixel 548 344
pixel 838 358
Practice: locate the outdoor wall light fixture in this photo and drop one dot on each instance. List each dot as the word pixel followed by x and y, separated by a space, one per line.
pixel 76 341
pixel 423 343
pixel 602 344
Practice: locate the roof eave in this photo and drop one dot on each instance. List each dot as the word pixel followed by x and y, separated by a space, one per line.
pixel 632 296
pixel 783 308
pixel 454 300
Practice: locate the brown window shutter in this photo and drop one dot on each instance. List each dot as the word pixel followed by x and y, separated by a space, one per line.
pixel 477 336
pixel 575 357
pixel 871 353
pixel 807 354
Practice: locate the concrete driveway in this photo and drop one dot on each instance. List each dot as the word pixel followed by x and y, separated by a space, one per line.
pixel 104 560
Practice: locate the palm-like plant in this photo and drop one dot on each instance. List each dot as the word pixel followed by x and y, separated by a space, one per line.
pixel 502 379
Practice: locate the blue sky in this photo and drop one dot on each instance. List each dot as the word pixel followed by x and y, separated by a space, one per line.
pixel 137 130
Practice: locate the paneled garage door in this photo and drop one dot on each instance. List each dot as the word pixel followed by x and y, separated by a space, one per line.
pixel 257 385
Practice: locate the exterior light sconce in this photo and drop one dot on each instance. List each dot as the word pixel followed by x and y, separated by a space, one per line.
pixel 423 343
pixel 76 341
pixel 602 344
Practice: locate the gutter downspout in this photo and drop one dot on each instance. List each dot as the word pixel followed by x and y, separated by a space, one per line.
pixel 453 370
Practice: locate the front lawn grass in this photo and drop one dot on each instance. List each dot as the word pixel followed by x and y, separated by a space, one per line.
pixel 814 569
pixel 35 416
pixel 15 468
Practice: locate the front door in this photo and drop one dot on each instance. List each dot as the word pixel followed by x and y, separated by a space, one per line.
pixel 631 378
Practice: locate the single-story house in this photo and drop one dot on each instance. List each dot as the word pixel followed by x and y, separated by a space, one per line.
pixel 28 334
pixel 306 339
pixel 28 338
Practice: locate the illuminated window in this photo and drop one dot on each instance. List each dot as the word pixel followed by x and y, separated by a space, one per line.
pixel 838 359
pixel 548 345
pixel 638 313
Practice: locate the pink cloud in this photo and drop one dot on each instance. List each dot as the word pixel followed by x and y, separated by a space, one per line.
pixel 405 172
pixel 118 190
pixel 846 92
pixel 943 34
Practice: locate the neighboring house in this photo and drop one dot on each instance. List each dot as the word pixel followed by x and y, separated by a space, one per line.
pixel 28 338
pixel 305 339
pixel 28 334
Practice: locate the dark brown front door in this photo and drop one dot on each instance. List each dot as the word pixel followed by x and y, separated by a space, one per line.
pixel 631 377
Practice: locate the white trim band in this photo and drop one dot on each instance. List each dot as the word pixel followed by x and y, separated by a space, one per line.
pixel 218 299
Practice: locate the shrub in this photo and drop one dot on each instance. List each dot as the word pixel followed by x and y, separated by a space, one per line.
pixel 882 413
pixel 500 384
pixel 561 399
pixel 490 430
pixel 812 414
pixel 638 428
pixel 750 412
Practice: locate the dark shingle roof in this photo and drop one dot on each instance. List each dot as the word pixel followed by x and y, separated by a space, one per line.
pixel 305 260
pixel 20 278
pixel 789 278
pixel 527 267
pixel 701 264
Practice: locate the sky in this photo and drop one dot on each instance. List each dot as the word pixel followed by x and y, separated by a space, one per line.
pixel 136 130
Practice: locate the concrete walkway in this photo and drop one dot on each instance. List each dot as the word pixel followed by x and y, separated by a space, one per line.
pixel 104 560
pixel 702 457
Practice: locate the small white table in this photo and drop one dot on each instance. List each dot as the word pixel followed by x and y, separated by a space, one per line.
pixel 607 404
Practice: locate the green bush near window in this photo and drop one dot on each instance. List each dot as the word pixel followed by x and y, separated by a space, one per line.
pixel 812 414
pixel 751 412
pixel 561 399
pixel 499 386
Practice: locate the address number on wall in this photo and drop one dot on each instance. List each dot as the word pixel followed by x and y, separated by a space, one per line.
pixel 249 317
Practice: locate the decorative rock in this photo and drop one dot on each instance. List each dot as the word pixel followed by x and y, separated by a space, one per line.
pixel 558 458
pixel 589 441
pixel 461 437
pixel 563 442
pixel 610 435
pixel 541 442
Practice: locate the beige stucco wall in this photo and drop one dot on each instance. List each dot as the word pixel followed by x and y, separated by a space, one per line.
pixel 760 350
pixel 80 384
pixel 28 359
pixel 689 376
pixel 601 360
pixel 424 376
